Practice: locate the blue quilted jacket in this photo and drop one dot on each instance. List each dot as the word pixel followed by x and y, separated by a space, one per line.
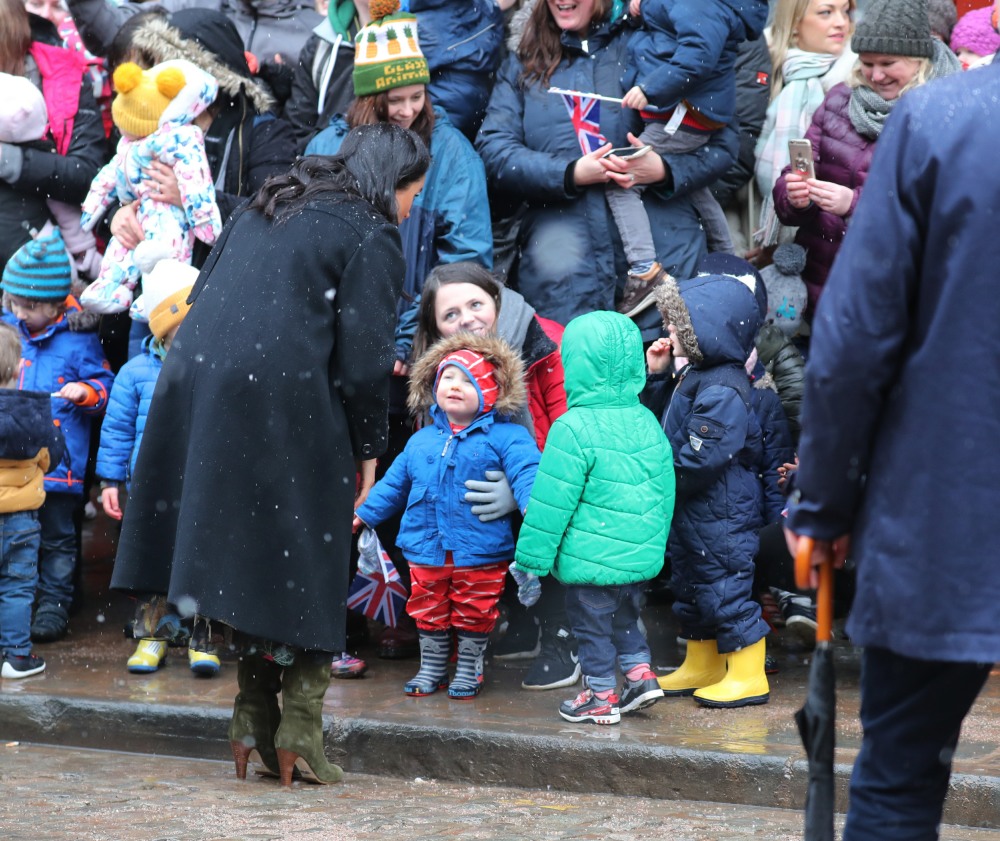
pixel 125 419
pixel 50 359
pixel 426 483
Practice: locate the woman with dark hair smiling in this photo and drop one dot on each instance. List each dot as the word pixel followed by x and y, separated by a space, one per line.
pixel 272 400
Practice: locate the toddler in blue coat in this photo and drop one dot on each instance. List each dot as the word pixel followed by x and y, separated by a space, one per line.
pixel 471 384
pixel 681 77
pixel 166 286
pixel 717 443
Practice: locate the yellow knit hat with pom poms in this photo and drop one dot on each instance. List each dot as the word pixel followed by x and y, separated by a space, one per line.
pixel 143 96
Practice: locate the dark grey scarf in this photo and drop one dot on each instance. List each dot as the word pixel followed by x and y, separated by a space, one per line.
pixel 869 111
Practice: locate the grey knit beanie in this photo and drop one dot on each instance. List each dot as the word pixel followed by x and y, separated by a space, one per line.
pixel 894 27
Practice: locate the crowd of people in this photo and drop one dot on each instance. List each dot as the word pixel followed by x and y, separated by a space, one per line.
pixel 527 286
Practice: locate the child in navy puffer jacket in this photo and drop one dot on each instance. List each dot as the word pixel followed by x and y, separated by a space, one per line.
pixel 457 563
pixel 717 444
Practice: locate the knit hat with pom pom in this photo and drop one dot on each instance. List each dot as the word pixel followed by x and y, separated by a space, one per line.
pixel 174 91
pixel 786 292
pixel 386 51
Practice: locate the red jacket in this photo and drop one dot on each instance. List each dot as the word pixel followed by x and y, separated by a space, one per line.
pixel 544 376
pixel 62 74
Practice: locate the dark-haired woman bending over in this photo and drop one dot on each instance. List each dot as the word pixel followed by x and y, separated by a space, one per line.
pixel 273 398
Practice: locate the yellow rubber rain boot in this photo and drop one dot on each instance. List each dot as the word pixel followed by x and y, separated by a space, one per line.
pixel 148 656
pixel 744 684
pixel 702 666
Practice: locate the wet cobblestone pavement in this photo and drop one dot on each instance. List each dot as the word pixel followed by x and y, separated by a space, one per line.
pixel 676 750
pixel 60 793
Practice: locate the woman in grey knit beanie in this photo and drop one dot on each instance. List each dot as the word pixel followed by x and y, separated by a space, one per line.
pixel 896 52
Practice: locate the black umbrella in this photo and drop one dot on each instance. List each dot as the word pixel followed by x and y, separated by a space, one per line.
pixel 817 716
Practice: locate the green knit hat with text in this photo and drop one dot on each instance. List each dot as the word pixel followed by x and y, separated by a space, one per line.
pixel 386 51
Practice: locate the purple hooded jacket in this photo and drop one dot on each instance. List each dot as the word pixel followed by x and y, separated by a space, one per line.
pixel 842 156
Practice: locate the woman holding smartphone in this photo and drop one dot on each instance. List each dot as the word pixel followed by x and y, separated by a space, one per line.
pixel 571 260
pixel 810 54
pixel 896 52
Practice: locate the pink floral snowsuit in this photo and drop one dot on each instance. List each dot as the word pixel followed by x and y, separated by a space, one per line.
pixel 181 147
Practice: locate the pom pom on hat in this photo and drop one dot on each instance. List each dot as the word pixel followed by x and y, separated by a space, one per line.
pixel 174 90
pixel 379 9
pixel 480 372
pixel 387 52
pixel 789 258
pixel 127 77
pixel 40 269
pixel 170 82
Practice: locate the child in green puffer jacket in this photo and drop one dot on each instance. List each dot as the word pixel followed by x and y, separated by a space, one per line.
pixel 600 511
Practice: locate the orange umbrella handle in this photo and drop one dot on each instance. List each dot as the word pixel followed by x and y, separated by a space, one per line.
pixel 824 593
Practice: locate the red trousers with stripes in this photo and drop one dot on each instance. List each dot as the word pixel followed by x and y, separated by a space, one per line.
pixel 464 598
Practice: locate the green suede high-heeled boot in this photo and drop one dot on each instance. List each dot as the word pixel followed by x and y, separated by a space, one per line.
pixel 256 715
pixel 299 740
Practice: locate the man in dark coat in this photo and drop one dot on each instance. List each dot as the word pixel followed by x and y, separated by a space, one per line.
pixel 276 382
pixel 905 464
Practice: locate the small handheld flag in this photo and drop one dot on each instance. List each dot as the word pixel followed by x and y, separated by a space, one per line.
pixel 376 590
pixel 585 112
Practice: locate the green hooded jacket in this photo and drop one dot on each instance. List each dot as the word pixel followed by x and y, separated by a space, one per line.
pixel 601 504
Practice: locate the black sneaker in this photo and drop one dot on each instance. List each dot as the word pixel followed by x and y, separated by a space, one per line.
pixel 18 666
pixel 799 613
pixel 639 694
pixel 50 623
pixel 588 707
pixel 557 665
pixel 522 641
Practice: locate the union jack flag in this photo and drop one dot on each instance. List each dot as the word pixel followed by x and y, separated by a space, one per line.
pixel 378 594
pixel 586 116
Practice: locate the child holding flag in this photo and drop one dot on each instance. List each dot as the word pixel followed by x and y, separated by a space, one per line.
pixel 471 384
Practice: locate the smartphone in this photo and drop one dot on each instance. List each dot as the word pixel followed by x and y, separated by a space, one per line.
pixel 626 152
pixel 800 153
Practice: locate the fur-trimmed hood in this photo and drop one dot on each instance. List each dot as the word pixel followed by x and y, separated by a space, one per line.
pixel 518 24
pixel 509 372
pixel 158 39
pixel 716 316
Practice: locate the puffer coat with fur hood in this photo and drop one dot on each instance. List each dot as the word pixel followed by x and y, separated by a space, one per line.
pixel 426 482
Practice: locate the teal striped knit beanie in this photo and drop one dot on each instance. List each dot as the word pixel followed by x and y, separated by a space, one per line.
pixel 40 269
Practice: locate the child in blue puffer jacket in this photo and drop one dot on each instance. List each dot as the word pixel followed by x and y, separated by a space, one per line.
pixel 166 286
pixel 718 446
pixel 471 384
pixel 69 364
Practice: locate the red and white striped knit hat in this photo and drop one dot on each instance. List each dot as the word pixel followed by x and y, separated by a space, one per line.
pixel 479 371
